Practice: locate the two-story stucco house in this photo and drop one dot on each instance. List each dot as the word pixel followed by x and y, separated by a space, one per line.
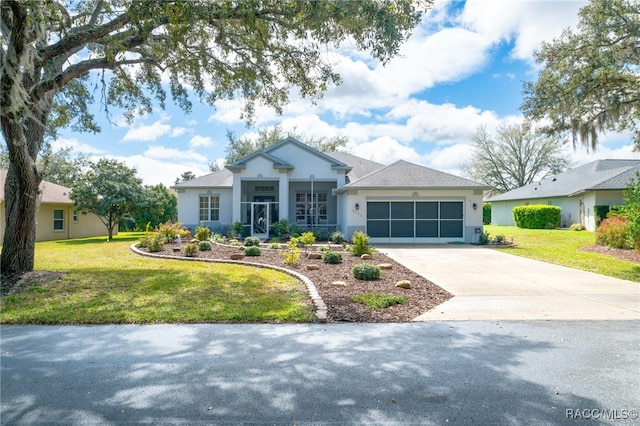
pixel 399 203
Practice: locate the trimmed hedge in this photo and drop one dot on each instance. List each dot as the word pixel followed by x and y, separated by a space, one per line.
pixel 538 216
pixel 486 214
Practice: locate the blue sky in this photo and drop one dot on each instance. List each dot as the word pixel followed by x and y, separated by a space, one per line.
pixel 461 69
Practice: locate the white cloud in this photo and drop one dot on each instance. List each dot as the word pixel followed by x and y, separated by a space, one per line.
pixel 179 131
pixel 450 158
pixel 526 22
pixel 75 145
pixel 147 133
pixel 200 141
pixel 176 155
pixel 147 169
pixel 386 150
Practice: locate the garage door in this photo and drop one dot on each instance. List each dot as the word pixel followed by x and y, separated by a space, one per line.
pixel 415 219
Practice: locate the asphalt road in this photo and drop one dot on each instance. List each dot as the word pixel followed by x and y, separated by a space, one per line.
pixel 476 373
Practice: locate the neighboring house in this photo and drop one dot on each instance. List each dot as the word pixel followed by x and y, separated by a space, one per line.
pixel 402 202
pixel 577 192
pixel 56 218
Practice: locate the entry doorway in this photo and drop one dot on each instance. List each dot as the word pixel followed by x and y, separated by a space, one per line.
pixel 260 220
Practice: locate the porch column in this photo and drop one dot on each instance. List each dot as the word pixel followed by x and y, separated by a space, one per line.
pixel 236 198
pixel 283 194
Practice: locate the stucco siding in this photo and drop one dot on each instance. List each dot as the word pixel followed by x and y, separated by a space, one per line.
pixel 306 163
pixel 189 207
pixel 87 225
pixel 502 211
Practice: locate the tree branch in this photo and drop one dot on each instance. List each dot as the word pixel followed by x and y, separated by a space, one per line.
pixel 79 36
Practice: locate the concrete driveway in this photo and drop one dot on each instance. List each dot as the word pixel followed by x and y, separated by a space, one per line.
pixel 492 285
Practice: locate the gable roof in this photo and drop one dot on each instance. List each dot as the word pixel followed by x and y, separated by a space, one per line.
pixel 242 163
pixel 405 175
pixel 597 175
pixel 221 179
pixel 360 167
pixel 270 154
pixel 51 193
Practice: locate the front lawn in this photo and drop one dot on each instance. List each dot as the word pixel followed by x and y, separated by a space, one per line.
pixel 563 247
pixel 104 282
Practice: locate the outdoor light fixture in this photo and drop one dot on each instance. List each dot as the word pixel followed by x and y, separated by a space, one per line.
pixel 475 206
pixel 357 206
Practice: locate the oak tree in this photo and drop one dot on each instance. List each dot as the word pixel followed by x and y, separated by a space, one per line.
pixel 57 56
pixel 590 77
pixel 110 190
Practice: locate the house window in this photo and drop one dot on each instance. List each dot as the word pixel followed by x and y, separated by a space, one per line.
pixel 209 208
pixel 311 209
pixel 75 216
pixel 58 220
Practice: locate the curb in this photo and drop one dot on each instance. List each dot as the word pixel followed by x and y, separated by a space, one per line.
pixel 318 303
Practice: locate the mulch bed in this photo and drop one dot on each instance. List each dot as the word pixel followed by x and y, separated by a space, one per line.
pixel 421 297
pixel 632 255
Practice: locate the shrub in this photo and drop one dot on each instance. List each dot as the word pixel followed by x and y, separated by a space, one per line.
pixel 613 232
pixel 202 233
pixel 500 238
pixel 307 239
pixel 235 244
pixel 337 237
pixel 360 244
pixel 324 248
pixel 292 256
pixel 217 238
pixel 295 235
pixel 274 246
pixel 251 241
pixel 204 246
pixel 238 229
pixel 537 216
pixel 169 230
pixel 378 300
pixel 486 214
pixel 578 226
pixel 155 243
pixel 281 227
pixel 190 250
pixel 320 235
pixel 484 238
pixel 252 251
pixel 366 272
pixel 332 257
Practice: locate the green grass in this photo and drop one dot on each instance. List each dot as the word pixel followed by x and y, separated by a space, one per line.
pixel 105 282
pixel 378 300
pixel 563 247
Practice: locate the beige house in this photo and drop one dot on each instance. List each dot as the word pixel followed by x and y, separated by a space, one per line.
pixel 56 218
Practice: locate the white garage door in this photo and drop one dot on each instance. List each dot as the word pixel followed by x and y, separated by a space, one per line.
pixel 424 220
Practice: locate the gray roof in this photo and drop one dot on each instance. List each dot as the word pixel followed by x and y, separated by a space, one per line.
pixel 49 191
pixel 403 174
pixel 220 179
pixel 360 166
pixel 597 175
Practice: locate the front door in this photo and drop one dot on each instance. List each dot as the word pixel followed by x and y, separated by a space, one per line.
pixel 260 220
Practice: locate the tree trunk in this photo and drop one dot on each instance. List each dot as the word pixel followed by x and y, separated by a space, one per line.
pixel 18 248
